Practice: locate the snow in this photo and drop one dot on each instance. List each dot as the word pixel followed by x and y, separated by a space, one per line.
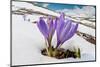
pixel 33 7
pixel 27 42
pixel 18 5
pixel 86 30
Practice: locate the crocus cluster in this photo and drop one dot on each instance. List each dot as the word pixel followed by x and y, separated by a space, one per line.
pixel 64 28
pixel 47 29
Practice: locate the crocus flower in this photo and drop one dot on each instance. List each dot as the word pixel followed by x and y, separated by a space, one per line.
pixel 65 29
pixel 47 28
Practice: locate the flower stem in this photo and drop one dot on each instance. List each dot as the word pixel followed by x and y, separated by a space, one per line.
pixel 46 47
pixel 49 47
pixel 58 46
pixel 50 51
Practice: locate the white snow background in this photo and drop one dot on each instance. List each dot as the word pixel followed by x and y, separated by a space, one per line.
pixel 27 41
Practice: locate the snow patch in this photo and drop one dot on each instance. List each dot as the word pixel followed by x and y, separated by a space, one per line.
pixel 27 42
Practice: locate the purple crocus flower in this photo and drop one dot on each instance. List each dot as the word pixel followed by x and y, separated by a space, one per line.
pixel 47 28
pixel 65 29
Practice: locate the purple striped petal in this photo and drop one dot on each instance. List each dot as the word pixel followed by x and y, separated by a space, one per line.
pixel 54 27
pixel 55 23
pixel 62 17
pixel 60 23
pixel 65 30
pixel 60 26
pixel 51 25
pixel 71 32
pixel 74 29
pixel 43 27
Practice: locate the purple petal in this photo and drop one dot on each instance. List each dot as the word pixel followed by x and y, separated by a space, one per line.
pixel 60 26
pixel 62 17
pixel 54 27
pixel 43 27
pixel 65 29
pixel 58 43
pixel 55 24
pixel 50 26
pixel 71 32
pixel 74 29
pixel 60 23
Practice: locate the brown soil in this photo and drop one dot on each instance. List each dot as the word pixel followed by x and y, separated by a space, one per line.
pixel 61 53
